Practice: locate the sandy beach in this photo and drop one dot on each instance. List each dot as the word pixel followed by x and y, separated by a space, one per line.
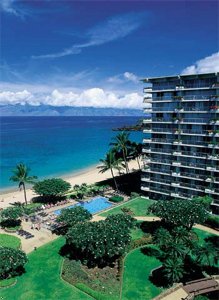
pixel 89 175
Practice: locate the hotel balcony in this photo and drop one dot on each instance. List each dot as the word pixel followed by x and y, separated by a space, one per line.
pixel 149 130
pixel 146 121
pixel 182 89
pixel 182 143
pixel 145 188
pixel 190 98
pixel 195 121
pixel 147 140
pixel 148 110
pixel 146 150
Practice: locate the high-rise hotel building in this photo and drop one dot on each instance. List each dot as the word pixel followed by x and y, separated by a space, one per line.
pixel 181 137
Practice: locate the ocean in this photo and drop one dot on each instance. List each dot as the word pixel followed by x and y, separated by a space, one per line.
pixel 56 146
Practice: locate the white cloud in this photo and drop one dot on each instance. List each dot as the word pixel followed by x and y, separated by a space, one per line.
pixel 121 78
pixel 10 7
pixel 22 97
pixel 94 97
pixel 131 77
pixel 105 32
pixel 7 6
pixel 206 65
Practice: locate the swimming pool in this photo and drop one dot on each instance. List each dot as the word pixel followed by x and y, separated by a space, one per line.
pixel 93 206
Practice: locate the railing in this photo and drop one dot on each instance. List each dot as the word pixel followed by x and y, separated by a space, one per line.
pixel 154 188
pixel 176 131
pixel 165 161
pixel 180 142
pixel 192 186
pixel 193 176
pixel 183 163
pixel 154 169
pixel 183 120
pixel 161 150
pixel 189 97
pixel 194 120
pixel 193 154
pixel 184 109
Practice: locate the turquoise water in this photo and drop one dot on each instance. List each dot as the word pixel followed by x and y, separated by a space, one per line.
pixel 94 205
pixel 55 146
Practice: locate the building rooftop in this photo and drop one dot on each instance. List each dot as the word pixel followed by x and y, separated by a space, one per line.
pixel 182 76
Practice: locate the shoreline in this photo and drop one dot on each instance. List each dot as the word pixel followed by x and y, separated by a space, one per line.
pixel 88 175
pixel 65 176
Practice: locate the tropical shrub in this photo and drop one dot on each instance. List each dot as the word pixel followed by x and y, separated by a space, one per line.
pixel 9 217
pixel 31 209
pixel 54 187
pixel 100 243
pixel 71 216
pixel 127 210
pixel 206 201
pixel 180 213
pixel 134 195
pixel 212 221
pixel 122 221
pixel 116 198
pixel 12 262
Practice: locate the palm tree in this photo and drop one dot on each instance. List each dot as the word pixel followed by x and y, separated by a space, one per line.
pixel 110 163
pixel 21 175
pixel 173 269
pixel 121 142
pixel 136 152
pixel 206 254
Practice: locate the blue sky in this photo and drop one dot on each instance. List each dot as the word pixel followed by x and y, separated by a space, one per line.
pixel 94 52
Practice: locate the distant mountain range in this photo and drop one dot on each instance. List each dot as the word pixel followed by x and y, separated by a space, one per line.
pixel 47 110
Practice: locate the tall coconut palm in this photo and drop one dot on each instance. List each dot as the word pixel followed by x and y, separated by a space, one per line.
pixel 109 163
pixel 136 152
pixel 21 175
pixel 121 142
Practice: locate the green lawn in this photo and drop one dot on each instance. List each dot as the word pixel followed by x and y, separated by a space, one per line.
pixel 42 278
pixel 139 206
pixel 7 240
pixel 136 283
pixel 202 235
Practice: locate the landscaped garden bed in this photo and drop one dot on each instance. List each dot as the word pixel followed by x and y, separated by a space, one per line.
pixel 101 283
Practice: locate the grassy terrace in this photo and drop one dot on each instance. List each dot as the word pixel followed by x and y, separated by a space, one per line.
pixel 136 282
pixel 42 278
pixel 139 207
pixel 7 240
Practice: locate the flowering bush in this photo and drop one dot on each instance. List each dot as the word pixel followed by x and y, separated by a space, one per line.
pixel 12 262
pixel 180 213
pixel 100 243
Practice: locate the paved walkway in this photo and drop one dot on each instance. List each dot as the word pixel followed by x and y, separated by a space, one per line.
pixel 44 235
pixel 40 238
pixel 176 295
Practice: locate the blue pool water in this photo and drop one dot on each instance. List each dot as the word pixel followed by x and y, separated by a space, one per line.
pixel 93 206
